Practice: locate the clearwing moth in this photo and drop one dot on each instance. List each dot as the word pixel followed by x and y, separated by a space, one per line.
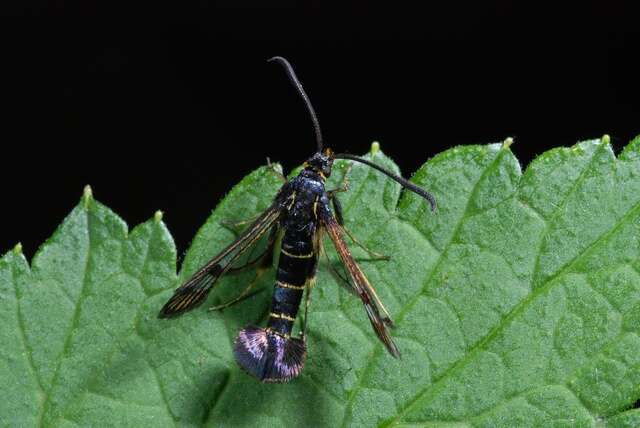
pixel 302 211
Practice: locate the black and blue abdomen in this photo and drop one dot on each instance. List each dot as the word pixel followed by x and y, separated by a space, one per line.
pixel 296 263
pixel 270 353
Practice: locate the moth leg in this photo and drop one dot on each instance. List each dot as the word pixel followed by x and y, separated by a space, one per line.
pixel 344 186
pixel 373 254
pixel 311 282
pixel 234 225
pixel 257 261
pixel 272 167
pixel 307 301
pixel 263 262
pixel 244 295
pixel 342 280
pixel 337 208
pixel 264 259
pixel 345 178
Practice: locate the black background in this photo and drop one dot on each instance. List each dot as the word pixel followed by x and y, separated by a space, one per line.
pixel 166 106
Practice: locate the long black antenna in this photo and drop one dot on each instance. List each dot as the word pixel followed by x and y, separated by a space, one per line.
pixel 303 94
pixel 403 182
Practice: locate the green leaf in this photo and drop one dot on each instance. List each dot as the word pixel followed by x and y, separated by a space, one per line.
pixel 517 304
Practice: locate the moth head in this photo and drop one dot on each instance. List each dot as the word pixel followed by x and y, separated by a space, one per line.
pixel 321 163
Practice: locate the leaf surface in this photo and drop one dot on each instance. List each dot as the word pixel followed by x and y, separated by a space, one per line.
pixel 516 304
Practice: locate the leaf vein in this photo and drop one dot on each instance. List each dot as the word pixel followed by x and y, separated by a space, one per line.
pixel 163 395
pixel 433 389
pixel 217 398
pixel 556 212
pixel 376 350
pixel 74 320
pixel 23 337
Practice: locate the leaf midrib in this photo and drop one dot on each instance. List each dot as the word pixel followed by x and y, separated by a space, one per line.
pixel 549 223
pixel 89 382
pixel 424 395
pixel 407 307
pixel 41 393
pixel 438 385
pixel 73 322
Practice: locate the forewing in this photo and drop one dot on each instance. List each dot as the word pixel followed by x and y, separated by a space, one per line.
pixel 195 290
pixel 361 286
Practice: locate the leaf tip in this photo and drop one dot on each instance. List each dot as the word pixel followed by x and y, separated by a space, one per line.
pixel 87 195
pixel 375 147
pixel 606 139
pixel 157 217
pixel 507 143
pixel 17 250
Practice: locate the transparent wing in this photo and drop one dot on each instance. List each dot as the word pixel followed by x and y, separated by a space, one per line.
pixel 378 315
pixel 195 290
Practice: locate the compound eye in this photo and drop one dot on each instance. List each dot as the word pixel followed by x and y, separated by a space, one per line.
pixel 326 168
